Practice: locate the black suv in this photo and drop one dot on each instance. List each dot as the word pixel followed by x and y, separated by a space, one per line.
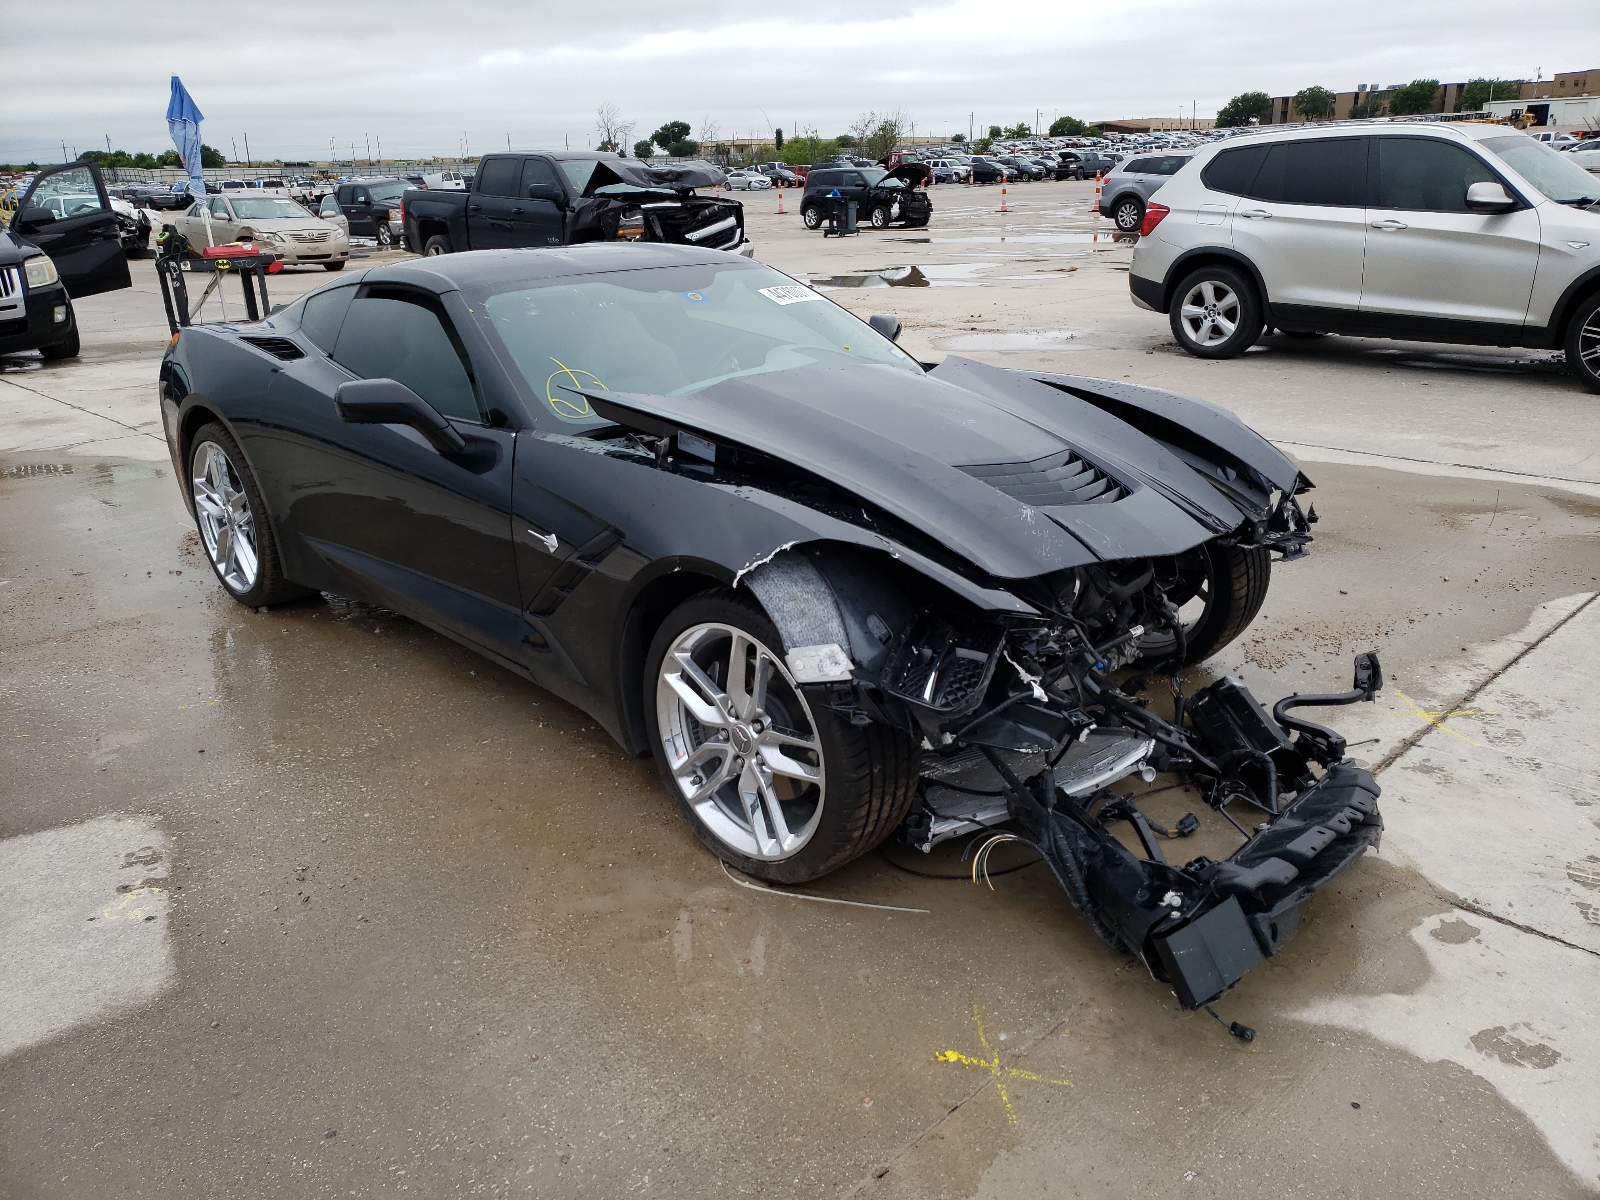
pixel 882 197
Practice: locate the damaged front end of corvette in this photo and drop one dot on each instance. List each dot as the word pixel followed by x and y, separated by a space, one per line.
pixel 1028 696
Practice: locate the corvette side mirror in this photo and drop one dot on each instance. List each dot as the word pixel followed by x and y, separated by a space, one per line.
pixel 389 402
pixel 887 324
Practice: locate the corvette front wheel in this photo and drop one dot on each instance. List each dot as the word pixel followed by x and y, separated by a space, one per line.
pixel 777 786
pixel 232 521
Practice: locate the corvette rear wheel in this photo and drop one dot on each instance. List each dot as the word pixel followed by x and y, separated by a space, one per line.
pixel 1219 592
pixel 231 517
pixel 780 788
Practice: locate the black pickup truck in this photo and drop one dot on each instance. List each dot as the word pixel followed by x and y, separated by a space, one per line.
pixel 566 197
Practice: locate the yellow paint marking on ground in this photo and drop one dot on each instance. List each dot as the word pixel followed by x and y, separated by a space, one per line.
pixel 120 911
pixel 1438 719
pixel 993 1066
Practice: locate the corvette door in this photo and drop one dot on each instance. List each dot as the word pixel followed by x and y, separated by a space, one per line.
pixel 67 214
pixel 376 510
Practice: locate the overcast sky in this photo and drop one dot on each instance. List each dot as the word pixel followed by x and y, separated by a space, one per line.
pixel 422 74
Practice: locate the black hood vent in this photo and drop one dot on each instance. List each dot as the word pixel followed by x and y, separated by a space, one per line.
pixel 277 347
pixel 1062 478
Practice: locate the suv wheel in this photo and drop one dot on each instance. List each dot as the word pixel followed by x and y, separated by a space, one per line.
pixel 1128 213
pixel 1583 343
pixel 812 216
pixel 1216 313
pixel 880 217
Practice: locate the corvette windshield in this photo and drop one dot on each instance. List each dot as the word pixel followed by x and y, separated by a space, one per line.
pixel 672 331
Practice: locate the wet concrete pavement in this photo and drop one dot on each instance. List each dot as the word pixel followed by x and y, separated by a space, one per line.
pixel 313 901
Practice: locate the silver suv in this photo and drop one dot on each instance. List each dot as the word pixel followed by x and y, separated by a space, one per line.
pixel 1133 181
pixel 1472 234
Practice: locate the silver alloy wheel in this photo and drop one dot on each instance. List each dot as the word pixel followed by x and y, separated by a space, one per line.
pixel 1129 216
pixel 740 741
pixel 227 526
pixel 1210 312
pixel 1589 343
pixel 385 234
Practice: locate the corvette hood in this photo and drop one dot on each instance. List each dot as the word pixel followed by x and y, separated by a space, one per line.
pixel 1015 475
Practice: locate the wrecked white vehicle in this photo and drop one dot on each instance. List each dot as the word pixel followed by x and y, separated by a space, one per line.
pixel 809 575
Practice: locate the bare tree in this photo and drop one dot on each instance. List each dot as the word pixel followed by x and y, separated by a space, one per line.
pixel 613 130
pixel 877 135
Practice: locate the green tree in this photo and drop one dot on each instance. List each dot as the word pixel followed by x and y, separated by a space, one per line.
pixel 845 141
pixel 777 138
pixel 1067 127
pixel 1479 92
pixel 169 158
pixel 996 132
pixel 1314 103
pixel 670 134
pixel 800 151
pixel 1241 108
pixel 210 156
pixel 958 138
pixel 684 148
pixel 1364 110
pixel 1416 97
pixel 1020 130
pixel 982 145
pixel 644 149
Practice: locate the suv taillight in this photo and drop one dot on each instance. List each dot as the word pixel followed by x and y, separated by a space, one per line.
pixel 1153 215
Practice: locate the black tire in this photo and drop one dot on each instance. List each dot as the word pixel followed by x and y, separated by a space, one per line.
pixel 811 216
pixel 869 772
pixel 1128 213
pixel 334 266
pixel 1229 586
pixel 269 585
pixel 437 244
pixel 66 348
pixel 385 235
pixel 879 217
pixel 1583 343
pixel 1213 298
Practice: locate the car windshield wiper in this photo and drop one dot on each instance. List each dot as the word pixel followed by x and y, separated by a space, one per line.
pixel 1581 201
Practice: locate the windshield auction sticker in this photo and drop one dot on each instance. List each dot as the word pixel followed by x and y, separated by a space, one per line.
pixel 790 293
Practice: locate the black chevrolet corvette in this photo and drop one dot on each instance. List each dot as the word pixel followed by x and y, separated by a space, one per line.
pixel 830 589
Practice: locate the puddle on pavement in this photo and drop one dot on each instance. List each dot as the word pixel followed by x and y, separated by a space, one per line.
pixel 1486 364
pixel 1024 340
pixel 944 275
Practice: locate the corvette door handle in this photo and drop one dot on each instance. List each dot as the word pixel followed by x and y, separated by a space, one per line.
pixel 1257 214
pixel 474 208
pixel 1390 225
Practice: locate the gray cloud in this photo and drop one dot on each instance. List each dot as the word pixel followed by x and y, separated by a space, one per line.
pixel 418 75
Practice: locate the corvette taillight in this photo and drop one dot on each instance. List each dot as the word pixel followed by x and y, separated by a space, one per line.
pixel 1153 215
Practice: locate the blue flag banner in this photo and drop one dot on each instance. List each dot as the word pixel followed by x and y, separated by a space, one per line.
pixel 183 123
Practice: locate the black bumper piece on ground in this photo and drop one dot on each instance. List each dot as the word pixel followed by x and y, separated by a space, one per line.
pixel 1201 926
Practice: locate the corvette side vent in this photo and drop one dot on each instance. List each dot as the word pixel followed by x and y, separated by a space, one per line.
pixel 1062 478
pixel 277 347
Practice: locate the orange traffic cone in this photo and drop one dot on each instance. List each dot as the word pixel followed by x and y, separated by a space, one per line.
pixel 1003 206
pixel 780 200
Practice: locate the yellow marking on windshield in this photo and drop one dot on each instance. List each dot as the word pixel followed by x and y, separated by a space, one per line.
pixel 572 410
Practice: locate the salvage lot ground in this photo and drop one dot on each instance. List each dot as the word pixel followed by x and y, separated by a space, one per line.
pixel 371 917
